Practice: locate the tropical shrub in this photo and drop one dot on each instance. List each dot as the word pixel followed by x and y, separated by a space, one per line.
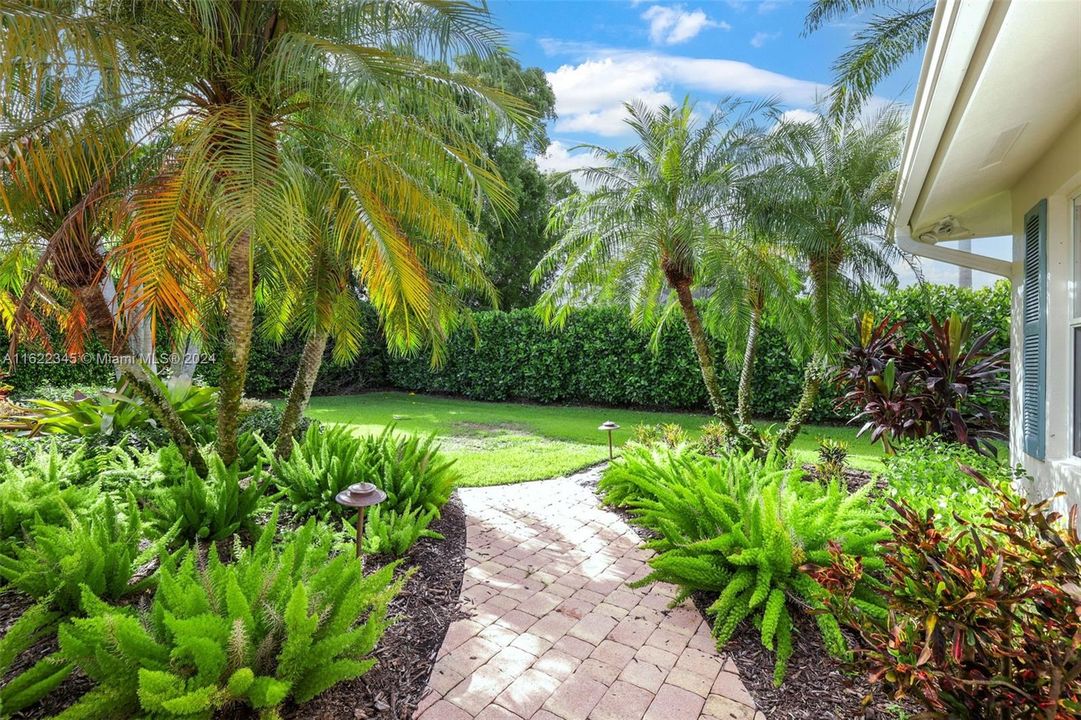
pixel 944 384
pixel 418 481
pixel 273 626
pixel 145 471
pixel 40 491
pixel 390 532
pixel 26 688
pixel 832 458
pixel 324 463
pixel 984 618
pixel 110 413
pixel 744 529
pixel 713 440
pixel 265 422
pixel 930 475
pixel 99 551
pixel 212 509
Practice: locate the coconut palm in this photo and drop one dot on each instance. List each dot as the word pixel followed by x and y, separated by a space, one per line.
pixel 826 199
pixel 879 47
pixel 230 77
pixel 639 236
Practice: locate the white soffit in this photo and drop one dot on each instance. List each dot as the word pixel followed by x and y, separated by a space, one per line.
pixel 1019 66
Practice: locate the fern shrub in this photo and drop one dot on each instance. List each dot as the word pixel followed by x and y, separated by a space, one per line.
pixel 744 529
pixel 100 552
pixel 387 532
pixel 212 509
pixel 38 491
pixel 418 482
pixel 272 626
pixel 29 686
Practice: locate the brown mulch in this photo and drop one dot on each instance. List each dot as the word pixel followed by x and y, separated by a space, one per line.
pixel 406 653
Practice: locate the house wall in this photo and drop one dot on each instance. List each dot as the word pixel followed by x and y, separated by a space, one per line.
pixel 1057 177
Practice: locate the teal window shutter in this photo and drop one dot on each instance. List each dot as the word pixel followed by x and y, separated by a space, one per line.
pixel 1034 336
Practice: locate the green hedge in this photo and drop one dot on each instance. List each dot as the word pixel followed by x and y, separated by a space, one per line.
pixel 598 358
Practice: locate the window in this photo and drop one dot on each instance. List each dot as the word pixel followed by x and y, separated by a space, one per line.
pixel 1034 333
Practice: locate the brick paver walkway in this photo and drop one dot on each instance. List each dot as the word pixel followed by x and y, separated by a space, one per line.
pixel 556 634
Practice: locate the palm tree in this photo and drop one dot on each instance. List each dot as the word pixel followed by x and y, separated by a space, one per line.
pixel 394 227
pixel 880 46
pixel 746 278
pixel 56 221
pixel 826 199
pixel 231 77
pixel 640 235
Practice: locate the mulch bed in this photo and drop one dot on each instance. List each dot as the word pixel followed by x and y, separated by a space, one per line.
pixel 406 653
pixel 816 687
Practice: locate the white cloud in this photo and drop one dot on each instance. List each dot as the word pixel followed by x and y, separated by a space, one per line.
pixel 560 158
pixel 590 94
pixel 799 115
pixel 761 38
pixel 767 6
pixel 672 24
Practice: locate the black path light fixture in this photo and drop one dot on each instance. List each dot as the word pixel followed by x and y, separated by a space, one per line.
pixel 609 426
pixel 360 496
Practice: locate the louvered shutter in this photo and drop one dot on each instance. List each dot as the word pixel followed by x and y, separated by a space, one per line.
pixel 1034 336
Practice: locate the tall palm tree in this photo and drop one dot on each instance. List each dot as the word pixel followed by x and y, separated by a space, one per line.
pixel 826 199
pixel 880 46
pixel 639 236
pixel 232 76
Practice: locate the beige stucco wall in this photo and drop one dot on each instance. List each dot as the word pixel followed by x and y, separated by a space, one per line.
pixel 1057 177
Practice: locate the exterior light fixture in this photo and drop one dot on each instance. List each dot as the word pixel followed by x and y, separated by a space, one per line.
pixel 360 496
pixel 609 426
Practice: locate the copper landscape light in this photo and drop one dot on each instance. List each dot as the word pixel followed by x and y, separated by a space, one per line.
pixel 360 496
pixel 609 426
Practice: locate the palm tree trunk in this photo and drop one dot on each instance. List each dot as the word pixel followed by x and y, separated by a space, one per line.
pixel 705 359
pixel 100 318
pixel 813 376
pixel 307 371
pixel 743 396
pixel 239 315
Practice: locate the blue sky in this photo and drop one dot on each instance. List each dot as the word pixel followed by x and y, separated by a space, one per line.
pixel 600 53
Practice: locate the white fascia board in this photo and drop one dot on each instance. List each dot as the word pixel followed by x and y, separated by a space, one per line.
pixel 955 32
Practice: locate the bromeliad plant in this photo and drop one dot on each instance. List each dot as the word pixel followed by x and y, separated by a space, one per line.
pixel 100 552
pixel 745 529
pixel 273 626
pixel 945 384
pixel 985 618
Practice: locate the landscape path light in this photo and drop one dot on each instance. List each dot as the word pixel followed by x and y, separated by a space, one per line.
pixel 609 426
pixel 360 496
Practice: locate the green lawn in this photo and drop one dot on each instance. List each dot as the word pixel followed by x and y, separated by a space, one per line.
pixel 497 443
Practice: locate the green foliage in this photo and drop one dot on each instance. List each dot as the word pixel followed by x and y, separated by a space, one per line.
pixel 110 413
pixel 324 463
pixel 212 509
pixel 929 476
pixel 713 440
pixel 744 529
pixel 409 469
pixel 123 467
pixel 28 687
pixel 832 458
pixel 389 532
pixel 274 625
pixel 984 617
pixel 99 551
pixel 41 490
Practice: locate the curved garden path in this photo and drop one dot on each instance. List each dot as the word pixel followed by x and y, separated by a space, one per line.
pixel 553 631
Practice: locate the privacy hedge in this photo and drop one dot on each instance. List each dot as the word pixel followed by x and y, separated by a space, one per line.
pixel 598 358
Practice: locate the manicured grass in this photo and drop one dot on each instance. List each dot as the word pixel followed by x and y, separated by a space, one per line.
pixel 497 443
